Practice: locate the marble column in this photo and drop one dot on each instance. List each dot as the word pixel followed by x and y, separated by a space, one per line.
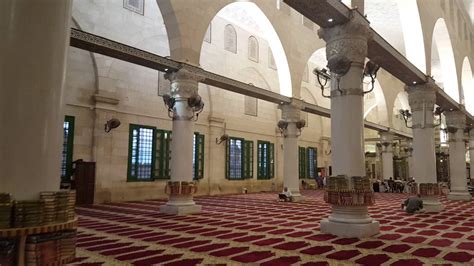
pixel 411 166
pixel 386 138
pixel 180 188
pixel 422 99
pixel 290 114
pixel 456 122
pixel 35 40
pixel 471 152
pixel 346 51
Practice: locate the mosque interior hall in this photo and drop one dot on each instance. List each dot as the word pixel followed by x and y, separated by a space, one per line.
pixel 220 132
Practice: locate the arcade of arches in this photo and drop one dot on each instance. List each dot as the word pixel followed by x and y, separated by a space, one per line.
pixel 166 167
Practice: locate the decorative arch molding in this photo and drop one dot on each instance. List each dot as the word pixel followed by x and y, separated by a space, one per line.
pixel 442 60
pixel 467 80
pixel 92 55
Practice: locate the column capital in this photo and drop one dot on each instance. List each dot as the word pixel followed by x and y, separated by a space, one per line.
pixel 421 95
pixel 347 40
pixel 471 134
pixel 455 119
pixel 290 112
pixel 184 82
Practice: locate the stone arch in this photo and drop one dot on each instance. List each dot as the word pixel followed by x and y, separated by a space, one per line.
pixel 400 103
pixel 253 49
pixel 230 38
pixel 400 24
pixel 268 32
pixel 307 96
pixel 443 65
pixel 375 101
pixel 468 85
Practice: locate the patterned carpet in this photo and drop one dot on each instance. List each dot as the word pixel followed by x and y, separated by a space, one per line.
pixel 256 229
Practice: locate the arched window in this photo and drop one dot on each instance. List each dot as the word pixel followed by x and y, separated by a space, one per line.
pixel 253 48
pixel 230 39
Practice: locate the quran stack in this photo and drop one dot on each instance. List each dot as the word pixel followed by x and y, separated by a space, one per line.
pixel 68 244
pixel 71 203
pixel 28 213
pixel 7 252
pixel 49 213
pixel 46 249
pixel 42 249
pixel 6 205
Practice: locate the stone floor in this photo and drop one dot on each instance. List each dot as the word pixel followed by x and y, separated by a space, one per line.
pixel 256 229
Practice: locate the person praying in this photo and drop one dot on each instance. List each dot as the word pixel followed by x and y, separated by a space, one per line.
pixel 285 195
pixel 413 204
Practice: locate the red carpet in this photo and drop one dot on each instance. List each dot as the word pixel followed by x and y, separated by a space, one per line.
pixel 256 229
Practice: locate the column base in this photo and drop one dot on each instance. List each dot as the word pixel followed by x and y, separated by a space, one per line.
pixel 350 230
pixel 180 206
pixel 297 198
pixel 432 204
pixel 459 195
pixel 350 221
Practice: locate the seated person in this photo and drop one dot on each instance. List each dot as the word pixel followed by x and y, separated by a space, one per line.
pixel 413 204
pixel 285 195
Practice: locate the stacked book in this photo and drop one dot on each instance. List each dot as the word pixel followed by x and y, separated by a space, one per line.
pixel 6 205
pixel 68 244
pixel 49 214
pixel 71 203
pixel 28 213
pixel 7 252
pixel 42 249
pixel 62 200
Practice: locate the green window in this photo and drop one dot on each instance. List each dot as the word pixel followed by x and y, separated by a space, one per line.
pixel 312 162
pixel 265 160
pixel 198 156
pixel 150 154
pixel 248 159
pixel 163 154
pixel 68 143
pixel 141 150
pixel 239 159
pixel 302 162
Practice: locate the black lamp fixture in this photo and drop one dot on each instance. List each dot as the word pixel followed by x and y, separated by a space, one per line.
pixel 323 77
pixel 111 124
pixel 194 102
pixel 370 70
pixel 406 114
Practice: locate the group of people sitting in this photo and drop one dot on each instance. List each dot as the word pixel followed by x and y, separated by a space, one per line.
pixel 393 186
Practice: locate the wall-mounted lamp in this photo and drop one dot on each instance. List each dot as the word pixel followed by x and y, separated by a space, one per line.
pixel 194 102
pixel 370 70
pixel 111 124
pixel 222 138
pixel 169 102
pixel 438 111
pixel 282 125
pixel 323 77
pixel 406 114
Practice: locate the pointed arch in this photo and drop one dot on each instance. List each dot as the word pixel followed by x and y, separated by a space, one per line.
pixel 468 85
pixel 443 65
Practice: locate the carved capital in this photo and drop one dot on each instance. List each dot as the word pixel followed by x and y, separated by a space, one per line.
pixel 421 96
pixel 455 119
pixel 348 40
pixel 184 83
pixel 290 112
